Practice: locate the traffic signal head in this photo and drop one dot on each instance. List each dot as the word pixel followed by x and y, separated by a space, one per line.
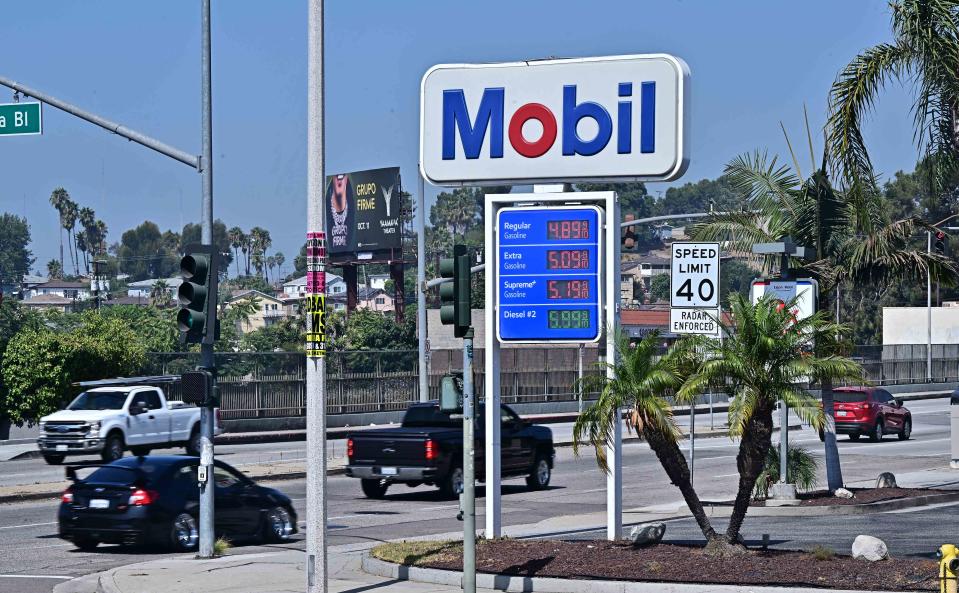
pixel 455 295
pixel 197 295
pixel 196 387
pixel 940 242
pixel 628 236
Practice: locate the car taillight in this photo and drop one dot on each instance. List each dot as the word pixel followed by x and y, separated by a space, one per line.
pixel 141 498
pixel 67 497
pixel 430 450
pixel 349 448
pixel 864 406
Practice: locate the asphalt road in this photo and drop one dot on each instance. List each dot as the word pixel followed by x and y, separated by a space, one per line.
pixel 29 546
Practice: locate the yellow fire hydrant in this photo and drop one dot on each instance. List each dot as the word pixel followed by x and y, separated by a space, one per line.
pixel 948 556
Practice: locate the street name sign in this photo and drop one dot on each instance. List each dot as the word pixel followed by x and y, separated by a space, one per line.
pixel 548 263
pixel 694 281
pixel 610 118
pixel 21 119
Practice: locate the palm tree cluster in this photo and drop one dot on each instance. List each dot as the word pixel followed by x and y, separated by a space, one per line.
pixel 764 360
pixel 90 240
pixel 253 246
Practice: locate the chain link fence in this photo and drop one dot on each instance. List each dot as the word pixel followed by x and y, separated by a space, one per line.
pixel 273 384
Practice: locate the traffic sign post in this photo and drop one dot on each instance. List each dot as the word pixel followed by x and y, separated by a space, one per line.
pixel 554 278
pixel 21 119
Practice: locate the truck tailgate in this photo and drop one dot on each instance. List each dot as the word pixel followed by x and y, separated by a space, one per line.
pixel 399 447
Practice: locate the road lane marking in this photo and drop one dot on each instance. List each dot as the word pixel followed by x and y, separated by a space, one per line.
pixel 28 525
pixel 34 576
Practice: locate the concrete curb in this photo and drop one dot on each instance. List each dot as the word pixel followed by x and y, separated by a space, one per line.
pixel 821 511
pixel 518 584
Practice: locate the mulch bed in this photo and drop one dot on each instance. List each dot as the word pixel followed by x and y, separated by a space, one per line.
pixel 683 564
pixel 864 496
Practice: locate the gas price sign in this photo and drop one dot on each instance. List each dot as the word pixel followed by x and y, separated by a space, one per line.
pixel 548 262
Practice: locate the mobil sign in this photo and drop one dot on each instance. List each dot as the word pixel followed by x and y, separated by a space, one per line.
pixel 613 118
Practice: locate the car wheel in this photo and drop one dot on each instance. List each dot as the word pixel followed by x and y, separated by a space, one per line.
pixel 193 445
pixel 113 449
pixel 374 488
pixel 277 525
pixel 140 451
pixel 54 459
pixel 854 436
pixel 453 485
pixel 906 431
pixel 877 432
pixel 86 544
pixel 184 533
pixel 539 479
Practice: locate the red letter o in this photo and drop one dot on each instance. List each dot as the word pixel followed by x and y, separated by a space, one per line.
pixel 541 114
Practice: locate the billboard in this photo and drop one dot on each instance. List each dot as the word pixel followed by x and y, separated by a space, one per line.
pixel 611 118
pixel 363 215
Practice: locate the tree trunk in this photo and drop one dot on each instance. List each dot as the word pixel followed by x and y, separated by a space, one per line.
pixel 755 444
pixel 236 258
pixel 833 464
pixel 674 462
pixel 4 428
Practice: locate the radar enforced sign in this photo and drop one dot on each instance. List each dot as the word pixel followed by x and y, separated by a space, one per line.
pixel 694 289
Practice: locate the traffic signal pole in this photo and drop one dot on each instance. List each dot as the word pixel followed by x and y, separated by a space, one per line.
pixel 207 416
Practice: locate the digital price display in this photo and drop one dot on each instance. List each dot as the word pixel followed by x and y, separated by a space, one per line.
pixel 548 273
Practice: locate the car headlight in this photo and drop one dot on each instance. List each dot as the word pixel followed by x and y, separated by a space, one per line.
pixel 94 428
pixel 43 426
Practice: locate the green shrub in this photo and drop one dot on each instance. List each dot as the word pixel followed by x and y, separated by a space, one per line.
pixel 801 470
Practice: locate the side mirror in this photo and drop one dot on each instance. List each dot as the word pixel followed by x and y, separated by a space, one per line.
pixel 897 403
pixel 137 409
pixel 71 474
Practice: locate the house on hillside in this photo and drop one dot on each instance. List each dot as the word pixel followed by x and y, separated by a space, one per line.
pixel 49 301
pixel 269 310
pixel 144 288
pixel 79 291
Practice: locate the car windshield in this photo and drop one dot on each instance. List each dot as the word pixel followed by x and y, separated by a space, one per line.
pixel 848 397
pixel 429 416
pixel 99 400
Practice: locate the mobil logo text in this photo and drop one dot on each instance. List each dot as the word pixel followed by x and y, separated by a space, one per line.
pixel 619 117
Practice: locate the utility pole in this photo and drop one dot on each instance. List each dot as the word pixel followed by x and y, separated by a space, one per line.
pixel 928 310
pixel 421 323
pixel 207 417
pixel 316 566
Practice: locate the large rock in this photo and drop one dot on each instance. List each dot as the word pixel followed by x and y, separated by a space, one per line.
pixel 886 480
pixel 647 534
pixel 843 493
pixel 869 548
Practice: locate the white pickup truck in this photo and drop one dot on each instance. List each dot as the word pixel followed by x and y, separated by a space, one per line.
pixel 110 420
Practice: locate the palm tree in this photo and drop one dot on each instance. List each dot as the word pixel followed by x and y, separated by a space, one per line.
pixel 58 200
pixel 159 293
pixel 854 240
pixel 280 259
pixel 69 221
pixel 925 54
pixel 762 361
pixel 261 242
pixel 54 269
pixel 270 264
pixel 237 239
pixel 88 220
pixel 640 381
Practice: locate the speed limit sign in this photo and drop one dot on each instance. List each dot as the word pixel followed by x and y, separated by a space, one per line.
pixel 694 282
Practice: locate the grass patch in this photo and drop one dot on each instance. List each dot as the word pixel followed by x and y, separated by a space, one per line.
pixel 221 546
pixel 822 553
pixel 416 552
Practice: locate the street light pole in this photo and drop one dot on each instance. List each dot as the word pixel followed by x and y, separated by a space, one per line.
pixel 316 567
pixel 421 323
pixel 928 310
pixel 207 419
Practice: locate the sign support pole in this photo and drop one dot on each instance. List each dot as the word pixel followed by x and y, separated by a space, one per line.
pixel 491 387
pixel 469 468
pixel 614 451
pixel 421 324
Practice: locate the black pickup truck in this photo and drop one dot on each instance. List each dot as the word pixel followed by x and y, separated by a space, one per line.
pixel 428 449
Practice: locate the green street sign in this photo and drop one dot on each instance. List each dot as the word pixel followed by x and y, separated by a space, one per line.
pixel 20 119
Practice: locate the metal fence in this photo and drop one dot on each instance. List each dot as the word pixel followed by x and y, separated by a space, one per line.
pixel 273 384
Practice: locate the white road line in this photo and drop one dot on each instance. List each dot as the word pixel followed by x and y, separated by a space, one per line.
pixel 901 444
pixel 28 525
pixel 726 475
pixel 34 576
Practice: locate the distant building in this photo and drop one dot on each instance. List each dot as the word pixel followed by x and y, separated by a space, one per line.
pixel 297 287
pixel 378 281
pixel 79 291
pixel 144 288
pixel 269 310
pixel 49 301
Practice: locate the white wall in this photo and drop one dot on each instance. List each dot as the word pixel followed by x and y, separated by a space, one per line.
pixel 908 325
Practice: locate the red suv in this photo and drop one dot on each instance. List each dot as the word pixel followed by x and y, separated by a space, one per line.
pixel 871 411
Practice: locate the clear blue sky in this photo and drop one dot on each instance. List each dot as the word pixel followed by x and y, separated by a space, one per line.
pixel 753 64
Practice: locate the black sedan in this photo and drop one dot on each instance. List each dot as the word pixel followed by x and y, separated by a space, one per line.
pixel 156 500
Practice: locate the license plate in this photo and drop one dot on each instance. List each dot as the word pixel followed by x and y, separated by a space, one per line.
pixel 388 471
pixel 841 413
pixel 62 447
pixel 99 503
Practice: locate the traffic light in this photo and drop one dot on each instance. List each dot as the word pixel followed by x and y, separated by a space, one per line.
pixel 197 295
pixel 196 387
pixel 628 236
pixel 940 242
pixel 455 295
